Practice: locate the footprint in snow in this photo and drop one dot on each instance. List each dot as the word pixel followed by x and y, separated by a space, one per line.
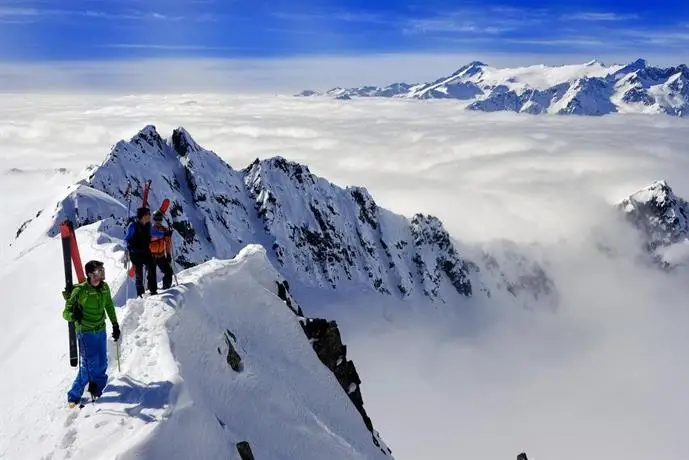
pixel 69 438
pixel 70 418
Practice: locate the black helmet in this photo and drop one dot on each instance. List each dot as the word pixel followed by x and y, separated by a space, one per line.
pixel 92 266
pixel 142 212
pixel 158 216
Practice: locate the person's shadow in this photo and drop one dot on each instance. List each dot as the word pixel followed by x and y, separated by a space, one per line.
pixel 142 396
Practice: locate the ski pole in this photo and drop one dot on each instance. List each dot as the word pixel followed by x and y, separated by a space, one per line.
pixel 172 259
pixel 126 281
pixel 128 196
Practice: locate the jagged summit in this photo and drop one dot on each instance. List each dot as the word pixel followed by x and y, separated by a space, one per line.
pixel 663 220
pixel 317 233
pixel 470 69
pixel 593 88
pixel 659 213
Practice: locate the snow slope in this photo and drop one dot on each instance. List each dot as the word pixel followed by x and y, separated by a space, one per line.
pixel 592 88
pixel 176 396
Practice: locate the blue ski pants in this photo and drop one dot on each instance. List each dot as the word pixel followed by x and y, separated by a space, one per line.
pixel 93 364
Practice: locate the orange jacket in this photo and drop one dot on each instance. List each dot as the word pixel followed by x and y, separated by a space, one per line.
pixel 161 246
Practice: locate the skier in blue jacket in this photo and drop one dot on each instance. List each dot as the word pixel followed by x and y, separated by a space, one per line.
pixel 138 240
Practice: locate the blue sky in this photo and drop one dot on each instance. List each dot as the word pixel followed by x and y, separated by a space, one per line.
pixel 107 29
pixel 283 44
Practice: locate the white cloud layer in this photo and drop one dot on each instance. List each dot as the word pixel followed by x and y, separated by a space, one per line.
pixel 603 377
pixel 289 75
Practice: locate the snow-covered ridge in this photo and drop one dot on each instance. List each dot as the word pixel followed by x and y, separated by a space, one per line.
pixel 663 219
pixel 178 395
pixel 319 235
pixel 586 89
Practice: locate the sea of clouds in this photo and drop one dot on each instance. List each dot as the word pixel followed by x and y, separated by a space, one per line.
pixel 603 377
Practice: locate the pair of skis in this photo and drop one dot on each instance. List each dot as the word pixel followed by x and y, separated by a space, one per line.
pixel 70 255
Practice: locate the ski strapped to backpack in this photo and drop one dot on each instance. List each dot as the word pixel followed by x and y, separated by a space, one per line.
pixel 147 188
pixel 70 256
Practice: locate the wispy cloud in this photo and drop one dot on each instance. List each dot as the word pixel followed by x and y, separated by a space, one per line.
pixel 598 17
pixel 489 21
pixel 342 16
pixel 15 14
pixel 153 46
pixel 451 25
pixel 678 35
pixel 668 38
pixel 573 41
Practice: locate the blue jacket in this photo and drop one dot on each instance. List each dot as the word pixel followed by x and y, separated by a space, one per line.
pixel 138 236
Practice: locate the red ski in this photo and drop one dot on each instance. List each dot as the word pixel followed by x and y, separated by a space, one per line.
pixel 70 256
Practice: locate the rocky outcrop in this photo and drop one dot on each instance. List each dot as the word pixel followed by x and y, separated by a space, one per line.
pixel 324 336
pixel 658 213
pixel 662 219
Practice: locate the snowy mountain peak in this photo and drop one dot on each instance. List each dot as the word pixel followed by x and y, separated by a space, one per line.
pixel 592 88
pixel 634 66
pixel 319 234
pixel 148 135
pixel 659 214
pixel 279 168
pixel 470 69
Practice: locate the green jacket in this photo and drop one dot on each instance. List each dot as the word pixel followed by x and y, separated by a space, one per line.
pixel 95 302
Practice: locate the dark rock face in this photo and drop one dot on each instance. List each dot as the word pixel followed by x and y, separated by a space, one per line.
pixel 326 341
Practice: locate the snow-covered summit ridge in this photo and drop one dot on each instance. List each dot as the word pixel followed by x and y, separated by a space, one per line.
pixel 317 233
pixel 592 88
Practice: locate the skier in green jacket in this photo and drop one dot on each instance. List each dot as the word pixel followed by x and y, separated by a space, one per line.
pixel 87 307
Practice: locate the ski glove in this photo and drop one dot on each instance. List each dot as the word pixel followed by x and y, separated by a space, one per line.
pixel 116 332
pixel 77 313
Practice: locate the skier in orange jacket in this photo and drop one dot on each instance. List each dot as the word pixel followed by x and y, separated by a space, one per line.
pixel 161 250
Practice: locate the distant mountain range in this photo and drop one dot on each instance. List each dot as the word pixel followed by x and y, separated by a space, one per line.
pixel 583 89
